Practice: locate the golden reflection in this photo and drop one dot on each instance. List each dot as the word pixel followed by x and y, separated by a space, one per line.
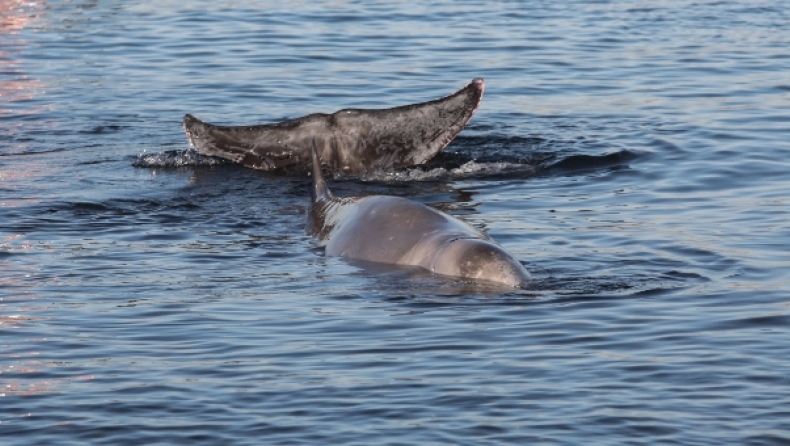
pixel 15 175
pixel 18 90
pixel 15 88
pixel 15 16
pixel 22 387
pixel 14 366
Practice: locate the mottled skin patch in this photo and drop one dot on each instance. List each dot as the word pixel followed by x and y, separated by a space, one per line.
pixel 351 141
pixel 402 232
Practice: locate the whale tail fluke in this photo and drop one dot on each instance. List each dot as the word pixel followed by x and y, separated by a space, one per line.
pixel 362 139
pixel 320 191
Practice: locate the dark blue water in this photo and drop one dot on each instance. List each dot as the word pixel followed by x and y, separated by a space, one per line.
pixel 634 156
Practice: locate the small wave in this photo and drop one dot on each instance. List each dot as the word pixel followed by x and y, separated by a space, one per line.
pixel 103 129
pixel 467 170
pixel 593 162
pixel 175 158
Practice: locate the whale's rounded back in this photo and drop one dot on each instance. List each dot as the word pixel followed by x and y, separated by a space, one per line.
pixel 479 259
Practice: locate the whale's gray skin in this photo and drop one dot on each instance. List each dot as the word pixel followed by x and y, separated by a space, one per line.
pixel 351 141
pixel 399 231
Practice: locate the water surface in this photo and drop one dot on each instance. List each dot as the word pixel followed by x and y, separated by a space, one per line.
pixel 633 157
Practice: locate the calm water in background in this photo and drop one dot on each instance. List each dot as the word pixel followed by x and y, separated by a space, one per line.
pixel 634 158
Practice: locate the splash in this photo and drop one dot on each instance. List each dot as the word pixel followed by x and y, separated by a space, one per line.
pixel 175 158
pixel 469 169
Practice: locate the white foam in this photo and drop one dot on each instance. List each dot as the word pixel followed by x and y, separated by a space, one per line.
pixel 468 169
pixel 175 158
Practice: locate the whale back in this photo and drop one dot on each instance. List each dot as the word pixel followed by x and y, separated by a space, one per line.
pixel 398 231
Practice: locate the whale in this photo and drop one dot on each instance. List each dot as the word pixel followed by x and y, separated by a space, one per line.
pixel 349 141
pixel 398 231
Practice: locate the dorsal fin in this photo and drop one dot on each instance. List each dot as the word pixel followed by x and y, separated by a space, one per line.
pixel 319 192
